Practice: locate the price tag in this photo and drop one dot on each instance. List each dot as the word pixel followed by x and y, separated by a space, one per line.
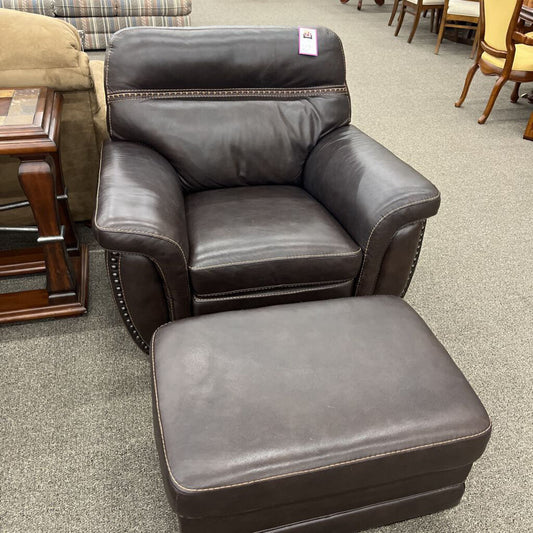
pixel 308 42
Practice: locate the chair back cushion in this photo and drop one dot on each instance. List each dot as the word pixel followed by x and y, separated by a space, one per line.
pixel 227 106
pixel 499 14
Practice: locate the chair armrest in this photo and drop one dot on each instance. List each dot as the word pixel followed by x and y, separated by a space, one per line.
pixel 522 38
pixel 140 210
pixel 371 192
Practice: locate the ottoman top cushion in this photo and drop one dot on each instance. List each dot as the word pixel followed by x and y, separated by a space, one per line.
pixel 252 399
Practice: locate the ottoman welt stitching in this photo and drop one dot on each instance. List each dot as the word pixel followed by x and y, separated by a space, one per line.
pixel 298 472
pixel 340 254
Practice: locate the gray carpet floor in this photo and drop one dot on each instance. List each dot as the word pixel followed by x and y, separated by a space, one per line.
pixel 76 427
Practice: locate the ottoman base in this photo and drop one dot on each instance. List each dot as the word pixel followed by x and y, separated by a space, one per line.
pixel 376 506
pixel 380 514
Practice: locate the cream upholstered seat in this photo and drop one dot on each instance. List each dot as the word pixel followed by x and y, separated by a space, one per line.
pixel 467 8
pixel 462 14
pixel 503 51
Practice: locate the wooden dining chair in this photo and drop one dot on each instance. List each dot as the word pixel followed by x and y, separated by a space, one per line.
pixel 460 14
pixel 503 51
pixel 418 8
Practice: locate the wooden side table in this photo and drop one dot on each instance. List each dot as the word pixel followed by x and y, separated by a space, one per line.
pixel 29 130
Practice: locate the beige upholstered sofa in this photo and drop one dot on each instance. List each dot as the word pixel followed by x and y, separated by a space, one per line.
pixel 43 51
pixel 99 19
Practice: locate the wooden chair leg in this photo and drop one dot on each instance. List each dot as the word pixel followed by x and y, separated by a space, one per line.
pixel 400 19
pixel 393 12
pixel 432 20
pixel 359 5
pixel 475 44
pixel 415 25
pixel 514 94
pixel 441 34
pixel 500 82
pixel 528 134
pixel 468 81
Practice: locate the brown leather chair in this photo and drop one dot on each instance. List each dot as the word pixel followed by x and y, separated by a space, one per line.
pixel 233 178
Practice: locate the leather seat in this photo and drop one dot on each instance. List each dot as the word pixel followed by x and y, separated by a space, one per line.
pixel 233 178
pixel 300 245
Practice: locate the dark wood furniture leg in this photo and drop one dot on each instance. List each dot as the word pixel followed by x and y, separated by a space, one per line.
pixel 528 134
pixel 66 270
pixel 38 183
pixel 71 240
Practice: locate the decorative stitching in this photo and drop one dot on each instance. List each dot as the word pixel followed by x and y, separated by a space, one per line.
pixel 282 293
pixel 267 287
pixel 274 92
pixel 340 254
pixel 386 215
pixel 299 472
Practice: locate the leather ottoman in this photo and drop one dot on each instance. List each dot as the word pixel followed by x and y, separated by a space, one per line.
pixel 331 416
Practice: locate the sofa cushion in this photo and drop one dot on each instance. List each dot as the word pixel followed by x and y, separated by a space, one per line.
pixel 57 62
pixel 99 30
pixel 39 7
pixel 257 238
pixel 121 8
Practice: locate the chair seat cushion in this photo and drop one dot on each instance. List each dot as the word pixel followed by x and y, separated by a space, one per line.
pixel 523 59
pixel 466 8
pixel 258 238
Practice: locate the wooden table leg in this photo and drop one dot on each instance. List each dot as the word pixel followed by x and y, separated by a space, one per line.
pixel 38 183
pixel 528 134
pixel 65 218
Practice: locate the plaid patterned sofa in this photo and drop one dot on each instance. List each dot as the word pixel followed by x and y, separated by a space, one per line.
pixel 99 19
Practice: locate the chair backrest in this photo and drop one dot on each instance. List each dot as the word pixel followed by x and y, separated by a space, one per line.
pixel 227 106
pixel 499 20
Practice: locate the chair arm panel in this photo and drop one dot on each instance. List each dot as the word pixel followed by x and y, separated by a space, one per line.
pixel 371 193
pixel 140 209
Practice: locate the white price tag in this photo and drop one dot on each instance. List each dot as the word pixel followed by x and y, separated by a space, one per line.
pixel 308 42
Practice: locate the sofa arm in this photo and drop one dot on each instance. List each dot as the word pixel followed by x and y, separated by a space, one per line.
pixel 371 192
pixel 140 210
pixel 98 103
pixel 41 51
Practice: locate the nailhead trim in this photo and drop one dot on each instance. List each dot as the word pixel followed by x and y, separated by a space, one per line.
pixel 121 303
pixel 415 258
